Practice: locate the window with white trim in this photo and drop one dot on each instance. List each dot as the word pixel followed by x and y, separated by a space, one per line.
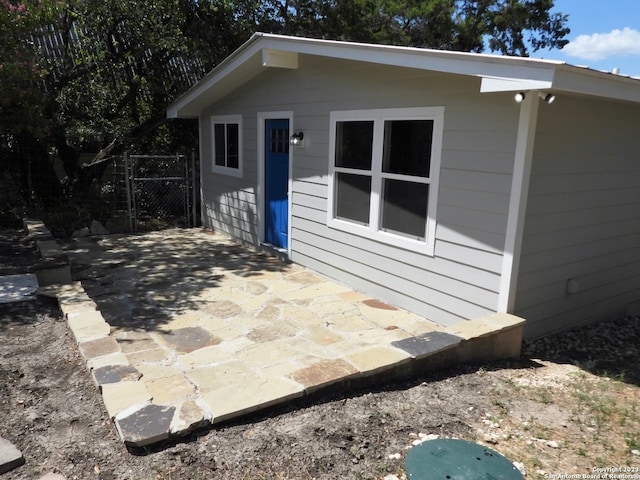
pixel 384 167
pixel 226 139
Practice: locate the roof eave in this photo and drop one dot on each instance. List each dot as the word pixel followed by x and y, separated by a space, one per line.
pixel 188 105
pixel 462 63
pixel 498 73
pixel 584 81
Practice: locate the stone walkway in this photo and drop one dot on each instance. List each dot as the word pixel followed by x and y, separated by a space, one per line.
pixel 184 328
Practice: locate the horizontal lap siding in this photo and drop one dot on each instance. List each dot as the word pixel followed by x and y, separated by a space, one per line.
pixel 461 281
pixel 229 203
pixel 583 216
pixel 468 266
pixel 436 284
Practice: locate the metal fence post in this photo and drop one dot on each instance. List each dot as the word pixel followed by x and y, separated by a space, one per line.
pixel 185 197
pixel 127 180
pixel 193 187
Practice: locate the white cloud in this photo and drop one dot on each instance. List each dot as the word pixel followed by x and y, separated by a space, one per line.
pixel 602 45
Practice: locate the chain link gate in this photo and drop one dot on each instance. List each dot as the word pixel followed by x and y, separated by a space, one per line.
pixel 161 191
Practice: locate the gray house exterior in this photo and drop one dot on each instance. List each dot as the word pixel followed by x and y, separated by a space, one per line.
pixel 420 180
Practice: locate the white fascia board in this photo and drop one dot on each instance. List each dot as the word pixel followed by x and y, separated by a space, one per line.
pixel 190 103
pixel 498 73
pixel 601 84
pixel 462 63
pixel 498 84
pixel 571 79
pixel 283 51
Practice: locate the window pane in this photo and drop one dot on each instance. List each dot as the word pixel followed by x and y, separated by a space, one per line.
pixel 407 147
pixel 232 145
pixel 353 196
pixel 273 140
pixel 279 140
pixel 219 144
pixel 283 138
pixel 404 208
pixel 354 144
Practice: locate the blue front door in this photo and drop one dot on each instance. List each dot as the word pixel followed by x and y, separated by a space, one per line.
pixel 276 182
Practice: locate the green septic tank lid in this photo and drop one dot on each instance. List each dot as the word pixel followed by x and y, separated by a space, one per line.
pixel 449 459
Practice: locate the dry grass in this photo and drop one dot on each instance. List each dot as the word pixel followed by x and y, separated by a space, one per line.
pixel 561 420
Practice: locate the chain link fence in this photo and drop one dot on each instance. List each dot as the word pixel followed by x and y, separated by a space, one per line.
pixel 124 193
pixel 161 191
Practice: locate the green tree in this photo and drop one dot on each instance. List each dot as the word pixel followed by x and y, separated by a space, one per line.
pixel 511 27
pixel 112 67
pixel 23 122
pixel 97 75
pixel 20 73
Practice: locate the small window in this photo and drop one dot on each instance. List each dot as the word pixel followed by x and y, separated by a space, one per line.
pixel 279 140
pixel 227 144
pixel 384 170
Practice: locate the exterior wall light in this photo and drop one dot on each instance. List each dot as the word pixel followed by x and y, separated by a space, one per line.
pixel 296 139
pixel 548 98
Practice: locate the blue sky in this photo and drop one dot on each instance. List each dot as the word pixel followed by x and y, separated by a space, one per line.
pixel 605 34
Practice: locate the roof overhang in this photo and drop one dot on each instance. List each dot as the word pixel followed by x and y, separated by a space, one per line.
pixel 498 73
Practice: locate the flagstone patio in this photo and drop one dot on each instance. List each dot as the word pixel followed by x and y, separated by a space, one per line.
pixel 185 328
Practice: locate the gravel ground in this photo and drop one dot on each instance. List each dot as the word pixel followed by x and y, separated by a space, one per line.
pixel 607 348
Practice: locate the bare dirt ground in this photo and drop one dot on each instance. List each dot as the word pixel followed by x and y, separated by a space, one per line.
pixel 570 406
